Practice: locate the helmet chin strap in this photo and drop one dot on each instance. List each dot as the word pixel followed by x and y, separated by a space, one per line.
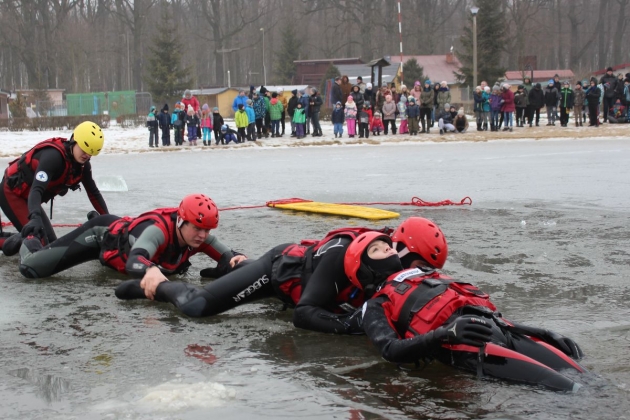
pixel 179 223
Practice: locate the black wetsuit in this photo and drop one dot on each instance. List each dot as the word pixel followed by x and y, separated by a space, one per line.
pixel 317 308
pixel 87 242
pixel 52 164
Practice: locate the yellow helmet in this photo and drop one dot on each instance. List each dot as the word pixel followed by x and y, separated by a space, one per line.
pixel 89 137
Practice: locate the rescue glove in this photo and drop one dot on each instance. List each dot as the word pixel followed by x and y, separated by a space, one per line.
pixel 470 330
pixel 92 214
pixel 222 268
pixel 34 227
pixel 565 344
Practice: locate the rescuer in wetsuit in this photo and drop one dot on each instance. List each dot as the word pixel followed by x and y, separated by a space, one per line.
pixel 312 277
pixel 419 314
pixel 49 169
pixel 149 246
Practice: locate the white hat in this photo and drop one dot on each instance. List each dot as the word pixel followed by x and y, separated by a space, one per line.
pixel 369 85
pixel 280 90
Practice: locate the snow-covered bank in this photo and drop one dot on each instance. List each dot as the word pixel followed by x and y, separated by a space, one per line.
pixel 136 140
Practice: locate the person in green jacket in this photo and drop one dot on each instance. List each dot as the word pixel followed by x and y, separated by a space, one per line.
pixel 566 103
pixel 299 119
pixel 275 114
pixel 242 121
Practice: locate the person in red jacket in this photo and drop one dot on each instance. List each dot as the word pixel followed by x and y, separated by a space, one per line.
pixel 50 169
pixel 507 106
pixel 155 244
pixel 419 314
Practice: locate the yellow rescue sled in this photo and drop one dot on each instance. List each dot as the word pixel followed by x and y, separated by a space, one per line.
pixel 299 204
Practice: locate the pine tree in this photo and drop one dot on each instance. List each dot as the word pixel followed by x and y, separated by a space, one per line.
pixel 18 107
pixel 331 72
pixel 412 72
pixel 284 66
pixel 490 44
pixel 166 77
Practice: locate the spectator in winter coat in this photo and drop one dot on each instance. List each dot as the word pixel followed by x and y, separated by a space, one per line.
pixel 478 107
pixel 413 114
pixel 445 120
pixel 338 117
pixel 377 124
pixel 427 101
pixel 609 90
pixel 369 96
pixel 299 119
pixel 335 93
pixel 620 87
pixel 520 101
pixel 495 108
pixel 351 112
pixel 305 100
pixel 579 97
pixel 241 99
pixel 251 121
pixel 436 109
pixel 357 96
pixel 177 121
pixel 217 123
pixel 315 104
pixel 402 111
pixel 380 97
pixel 275 114
pixel 486 107
pixel 364 118
pixel 416 92
pixel 189 99
pixel 566 103
pixel 228 135
pixel 552 96
pixel 164 123
pixel 242 121
pixel 361 87
pixel 507 107
pixel 192 122
pixel 152 125
pixel 293 101
pixel 346 88
pixel 260 111
pixel 206 125
pixel 283 117
pixel 443 95
pixel 592 96
pixel 536 101
pixel 460 121
pixel 389 114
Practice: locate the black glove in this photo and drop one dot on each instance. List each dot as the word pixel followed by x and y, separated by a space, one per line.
pixel 468 330
pixel 565 344
pixel 222 268
pixel 91 215
pixel 34 227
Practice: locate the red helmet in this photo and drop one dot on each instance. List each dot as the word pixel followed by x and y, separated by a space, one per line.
pixel 199 210
pixel 423 237
pixel 359 274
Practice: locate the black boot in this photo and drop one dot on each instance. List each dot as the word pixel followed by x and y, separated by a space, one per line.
pixel 479 127
pixel 130 289
pixel 12 244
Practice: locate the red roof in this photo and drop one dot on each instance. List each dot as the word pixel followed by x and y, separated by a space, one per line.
pixel 615 68
pixel 435 66
pixel 539 75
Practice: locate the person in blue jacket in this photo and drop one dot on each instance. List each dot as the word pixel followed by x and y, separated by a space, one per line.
pixel 228 135
pixel 164 121
pixel 240 99
pixel 251 117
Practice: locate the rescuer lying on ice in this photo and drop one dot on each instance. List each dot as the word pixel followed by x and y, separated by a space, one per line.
pixel 50 169
pixel 149 246
pixel 312 277
pixel 419 314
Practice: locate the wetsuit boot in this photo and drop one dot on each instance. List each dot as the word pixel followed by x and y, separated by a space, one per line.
pixel 130 289
pixel 12 244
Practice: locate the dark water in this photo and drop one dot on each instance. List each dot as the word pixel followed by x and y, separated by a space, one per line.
pixel 70 350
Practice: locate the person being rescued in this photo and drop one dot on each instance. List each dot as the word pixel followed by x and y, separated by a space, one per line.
pixel 312 277
pixel 50 169
pixel 419 314
pixel 156 243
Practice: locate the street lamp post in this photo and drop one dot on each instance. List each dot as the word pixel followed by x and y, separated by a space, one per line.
pixel 128 67
pixel 223 51
pixel 474 11
pixel 264 68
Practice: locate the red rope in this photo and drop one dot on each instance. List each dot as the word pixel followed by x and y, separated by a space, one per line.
pixel 415 201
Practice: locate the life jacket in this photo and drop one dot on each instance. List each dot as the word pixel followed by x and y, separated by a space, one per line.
pixel 116 247
pixel 420 301
pixel 293 268
pixel 21 172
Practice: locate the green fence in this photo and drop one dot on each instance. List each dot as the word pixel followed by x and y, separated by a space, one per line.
pixel 115 103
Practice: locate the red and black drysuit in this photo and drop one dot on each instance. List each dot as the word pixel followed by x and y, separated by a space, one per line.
pixel 38 176
pixel 127 245
pixel 414 317
pixel 309 276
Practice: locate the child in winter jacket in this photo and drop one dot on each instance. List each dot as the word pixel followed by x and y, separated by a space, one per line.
pixel 338 119
pixel 241 121
pixel 152 125
pixel 299 119
pixel 206 125
pixel 164 123
pixel 508 107
pixel 389 114
pixel 520 101
pixel 413 113
pixel 228 135
pixel 551 101
pixel 275 114
pixel 377 124
pixel 217 123
pixel 566 103
pixel 192 121
pixel 351 116
pixel 478 107
pixel 402 111
pixel 485 116
pixel 495 108
pixel 364 118
pixel 578 103
pixel 177 121
pixel 251 121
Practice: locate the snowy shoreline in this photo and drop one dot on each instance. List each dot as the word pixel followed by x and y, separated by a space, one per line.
pixel 135 140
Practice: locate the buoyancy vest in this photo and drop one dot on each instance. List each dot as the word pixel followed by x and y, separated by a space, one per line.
pixel 420 301
pixel 116 246
pixel 294 267
pixel 21 172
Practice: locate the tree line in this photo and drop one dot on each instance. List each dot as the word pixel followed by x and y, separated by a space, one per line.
pixel 98 45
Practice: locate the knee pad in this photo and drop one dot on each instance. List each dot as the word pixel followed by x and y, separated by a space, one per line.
pixel 28 272
pixel 194 308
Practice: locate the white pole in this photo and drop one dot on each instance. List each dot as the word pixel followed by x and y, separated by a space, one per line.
pixel 264 67
pixel 229 82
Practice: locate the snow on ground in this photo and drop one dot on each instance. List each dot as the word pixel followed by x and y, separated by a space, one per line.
pixel 136 140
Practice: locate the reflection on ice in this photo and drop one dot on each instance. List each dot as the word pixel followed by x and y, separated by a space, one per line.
pixel 176 396
pixel 49 387
pixel 113 183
